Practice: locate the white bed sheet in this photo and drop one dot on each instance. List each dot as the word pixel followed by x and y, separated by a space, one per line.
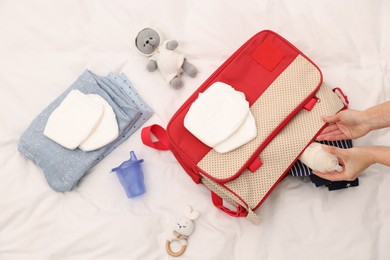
pixel 45 45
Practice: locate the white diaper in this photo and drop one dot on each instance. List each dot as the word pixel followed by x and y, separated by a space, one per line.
pixel 106 131
pixel 73 120
pixel 245 133
pixel 84 121
pixel 221 118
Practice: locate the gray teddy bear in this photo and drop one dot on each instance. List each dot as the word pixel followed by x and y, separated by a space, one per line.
pixel 164 57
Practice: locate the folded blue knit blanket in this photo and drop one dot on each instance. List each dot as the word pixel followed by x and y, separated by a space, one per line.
pixel 63 168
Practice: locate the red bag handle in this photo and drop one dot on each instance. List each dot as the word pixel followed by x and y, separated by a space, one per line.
pixel 159 132
pixel 341 95
pixel 218 202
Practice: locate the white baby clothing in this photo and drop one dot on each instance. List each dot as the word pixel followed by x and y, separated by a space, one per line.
pixel 169 62
pixel 221 118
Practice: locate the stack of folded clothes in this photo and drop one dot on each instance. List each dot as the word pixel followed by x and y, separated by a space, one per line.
pixel 66 144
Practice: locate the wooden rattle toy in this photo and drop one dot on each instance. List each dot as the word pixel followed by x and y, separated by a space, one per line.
pixel 183 229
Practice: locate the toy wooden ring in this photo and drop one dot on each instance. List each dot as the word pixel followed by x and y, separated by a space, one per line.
pixel 169 250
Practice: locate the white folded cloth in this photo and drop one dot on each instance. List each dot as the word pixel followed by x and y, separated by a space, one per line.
pixel 221 118
pixel 107 129
pixel 73 120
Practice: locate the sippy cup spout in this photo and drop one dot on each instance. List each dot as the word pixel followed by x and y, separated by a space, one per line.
pixel 133 157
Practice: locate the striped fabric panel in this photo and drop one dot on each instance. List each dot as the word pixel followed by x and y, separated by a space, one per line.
pixel 299 169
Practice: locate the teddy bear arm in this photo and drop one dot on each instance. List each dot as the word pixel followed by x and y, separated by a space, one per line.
pixel 151 66
pixel 171 45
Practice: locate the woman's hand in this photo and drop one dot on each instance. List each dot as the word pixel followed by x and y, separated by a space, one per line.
pixel 347 124
pixel 352 124
pixel 354 161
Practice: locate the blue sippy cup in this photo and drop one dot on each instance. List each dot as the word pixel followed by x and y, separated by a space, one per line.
pixel 131 176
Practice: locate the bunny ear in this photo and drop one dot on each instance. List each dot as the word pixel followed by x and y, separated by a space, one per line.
pixel 187 211
pixel 194 215
pixel 191 214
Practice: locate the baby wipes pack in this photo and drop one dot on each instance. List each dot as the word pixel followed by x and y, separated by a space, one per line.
pixel 286 96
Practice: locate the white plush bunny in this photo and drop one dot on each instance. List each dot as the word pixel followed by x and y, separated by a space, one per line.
pixel 183 229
